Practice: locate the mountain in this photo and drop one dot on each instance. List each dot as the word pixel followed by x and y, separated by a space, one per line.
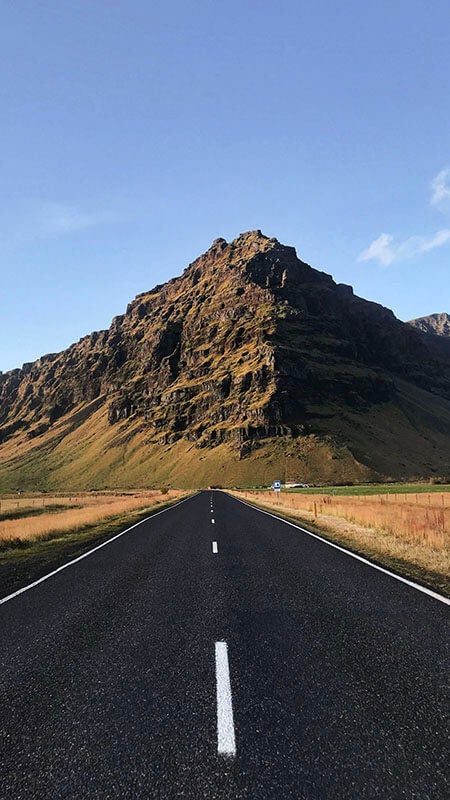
pixel 438 324
pixel 250 366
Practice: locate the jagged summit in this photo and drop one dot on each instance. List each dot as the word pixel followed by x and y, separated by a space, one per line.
pixel 438 324
pixel 248 347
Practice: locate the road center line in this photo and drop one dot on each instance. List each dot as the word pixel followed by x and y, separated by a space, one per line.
pixel 214 547
pixel 226 742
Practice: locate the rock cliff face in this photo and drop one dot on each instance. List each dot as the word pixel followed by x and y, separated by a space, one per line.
pixel 438 324
pixel 249 343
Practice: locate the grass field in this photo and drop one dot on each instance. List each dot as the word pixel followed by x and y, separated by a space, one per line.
pixel 374 488
pixel 21 513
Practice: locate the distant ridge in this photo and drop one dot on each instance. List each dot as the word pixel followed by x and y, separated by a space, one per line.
pixel 438 324
pixel 250 365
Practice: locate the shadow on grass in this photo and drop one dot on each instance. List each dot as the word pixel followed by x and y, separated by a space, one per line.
pixel 21 513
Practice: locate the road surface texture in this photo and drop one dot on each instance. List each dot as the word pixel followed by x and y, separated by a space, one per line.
pixel 239 658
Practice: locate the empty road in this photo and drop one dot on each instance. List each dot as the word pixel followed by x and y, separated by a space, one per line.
pixel 214 651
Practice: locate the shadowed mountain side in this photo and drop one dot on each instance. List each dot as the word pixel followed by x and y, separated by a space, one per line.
pixel 250 363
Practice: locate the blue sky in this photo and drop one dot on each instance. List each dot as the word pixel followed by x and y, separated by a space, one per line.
pixel 133 134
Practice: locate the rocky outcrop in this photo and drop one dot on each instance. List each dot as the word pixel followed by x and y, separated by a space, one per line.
pixel 249 342
pixel 438 324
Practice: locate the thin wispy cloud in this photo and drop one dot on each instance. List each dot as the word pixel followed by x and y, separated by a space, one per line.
pixel 46 220
pixel 387 249
pixel 54 219
pixel 440 189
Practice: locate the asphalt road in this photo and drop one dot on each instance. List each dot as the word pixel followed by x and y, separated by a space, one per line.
pixel 317 676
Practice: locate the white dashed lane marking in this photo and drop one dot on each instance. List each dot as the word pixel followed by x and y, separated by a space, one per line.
pixel 226 742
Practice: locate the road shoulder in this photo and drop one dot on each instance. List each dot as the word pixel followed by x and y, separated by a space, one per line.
pixel 365 542
pixel 20 567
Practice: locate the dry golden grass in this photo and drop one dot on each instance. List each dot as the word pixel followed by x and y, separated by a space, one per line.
pixel 12 503
pixel 422 518
pixel 412 529
pixel 90 509
pixel 9 505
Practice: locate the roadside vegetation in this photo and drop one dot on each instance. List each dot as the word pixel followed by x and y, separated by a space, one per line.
pixel 408 532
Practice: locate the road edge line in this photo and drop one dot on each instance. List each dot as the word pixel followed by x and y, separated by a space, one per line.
pixel 89 552
pixel 386 571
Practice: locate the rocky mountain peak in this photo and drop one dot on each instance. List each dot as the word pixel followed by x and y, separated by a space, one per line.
pixel 248 343
pixel 438 324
